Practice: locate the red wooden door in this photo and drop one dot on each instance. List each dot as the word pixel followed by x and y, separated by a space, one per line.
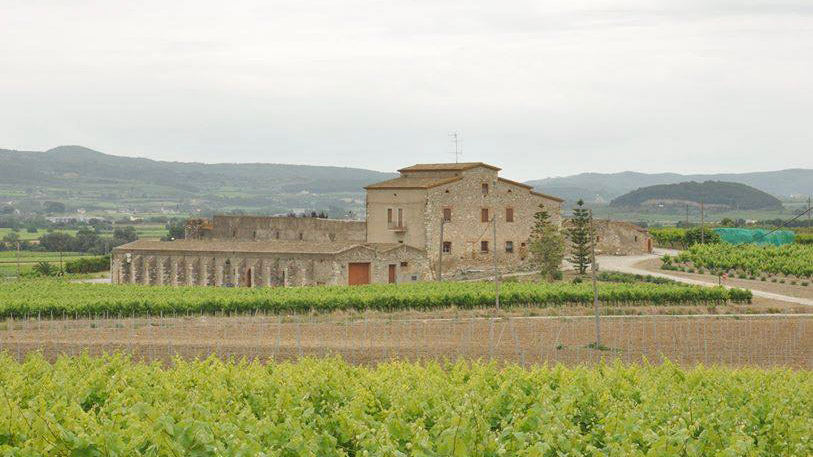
pixel 358 273
pixel 392 274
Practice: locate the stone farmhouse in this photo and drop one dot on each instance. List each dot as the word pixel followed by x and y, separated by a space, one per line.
pixel 433 219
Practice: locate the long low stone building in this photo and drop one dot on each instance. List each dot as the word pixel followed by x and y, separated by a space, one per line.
pixel 266 264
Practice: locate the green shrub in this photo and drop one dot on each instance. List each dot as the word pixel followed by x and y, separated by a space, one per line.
pixel 45 269
pixel 88 265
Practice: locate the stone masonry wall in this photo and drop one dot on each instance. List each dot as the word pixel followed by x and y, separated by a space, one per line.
pixel 413 204
pixel 619 238
pixel 466 230
pixel 286 228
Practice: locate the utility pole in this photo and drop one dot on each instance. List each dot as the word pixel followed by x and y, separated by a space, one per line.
pixel 808 213
pixel 687 215
pixel 496 270
pixel 593 269
pixel 702 223
pixel 18 259
pixel 440 251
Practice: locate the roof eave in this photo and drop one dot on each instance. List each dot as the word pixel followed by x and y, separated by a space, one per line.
pixel 516 183
pixel 549 197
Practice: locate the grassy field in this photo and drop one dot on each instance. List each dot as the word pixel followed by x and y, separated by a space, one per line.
pixel 149 231
pixel 8 260
pixel 27 236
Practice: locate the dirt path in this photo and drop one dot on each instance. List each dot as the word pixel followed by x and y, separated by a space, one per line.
pixel 635 264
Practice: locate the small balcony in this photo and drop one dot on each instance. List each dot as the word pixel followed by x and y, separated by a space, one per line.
pixel 396 227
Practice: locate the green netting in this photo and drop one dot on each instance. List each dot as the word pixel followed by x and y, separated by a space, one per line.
pixel 755 236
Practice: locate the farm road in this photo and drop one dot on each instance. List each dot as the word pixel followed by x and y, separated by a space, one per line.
pixel 628 264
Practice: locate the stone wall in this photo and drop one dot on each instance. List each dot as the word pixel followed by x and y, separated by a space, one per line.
pixel 466 230
pixel 250 228
pixel 619 238
pixel 413 204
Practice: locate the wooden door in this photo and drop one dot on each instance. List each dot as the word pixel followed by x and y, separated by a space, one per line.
pixel 358 273
pixel 392 274
pixel 249 278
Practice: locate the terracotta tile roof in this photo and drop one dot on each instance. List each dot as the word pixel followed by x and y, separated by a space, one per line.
pixel 629 225
pixel 515 183
pixel 407 182
pixel 608 223
pixel 549 197
pixel 271 246
pixel 260 247
pixel 447 166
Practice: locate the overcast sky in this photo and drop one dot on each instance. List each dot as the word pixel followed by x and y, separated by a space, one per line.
pixel 541 88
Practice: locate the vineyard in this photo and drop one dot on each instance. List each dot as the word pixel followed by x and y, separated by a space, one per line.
pixel 112 406
pixel 789 260
pixel 672 237
pixel 57 298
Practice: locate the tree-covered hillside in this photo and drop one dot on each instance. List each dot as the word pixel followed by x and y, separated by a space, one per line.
pixel 81 177
pixel 711 193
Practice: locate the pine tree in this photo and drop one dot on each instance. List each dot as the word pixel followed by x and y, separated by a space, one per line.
pixel 580 237
pixel 547 245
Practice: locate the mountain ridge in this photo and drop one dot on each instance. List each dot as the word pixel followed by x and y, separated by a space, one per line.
pixel 594 187
pixel 87 178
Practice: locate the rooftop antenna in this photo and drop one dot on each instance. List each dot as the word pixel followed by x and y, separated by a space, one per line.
pixel 458 145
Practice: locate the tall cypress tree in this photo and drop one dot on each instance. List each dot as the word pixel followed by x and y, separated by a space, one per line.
pixel 547 245
pixel 580 237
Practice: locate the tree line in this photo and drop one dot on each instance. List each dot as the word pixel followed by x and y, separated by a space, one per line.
pixel 86 240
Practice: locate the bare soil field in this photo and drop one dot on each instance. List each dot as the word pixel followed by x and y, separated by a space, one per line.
pixel 760 340
pixel 797 290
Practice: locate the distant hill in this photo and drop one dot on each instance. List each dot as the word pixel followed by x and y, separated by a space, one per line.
pixel 78 176
pixel 712 194
pixel 604 187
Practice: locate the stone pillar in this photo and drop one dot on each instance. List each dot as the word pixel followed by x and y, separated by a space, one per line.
pixel 133 264
pixel 145 264
pixel 235 275
pixel 203 271
pixel 190 271
pixel 254 264
pixel 115 274
pixel 173 270
pixel 267 272
pixel 159 269
pixel 218 272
